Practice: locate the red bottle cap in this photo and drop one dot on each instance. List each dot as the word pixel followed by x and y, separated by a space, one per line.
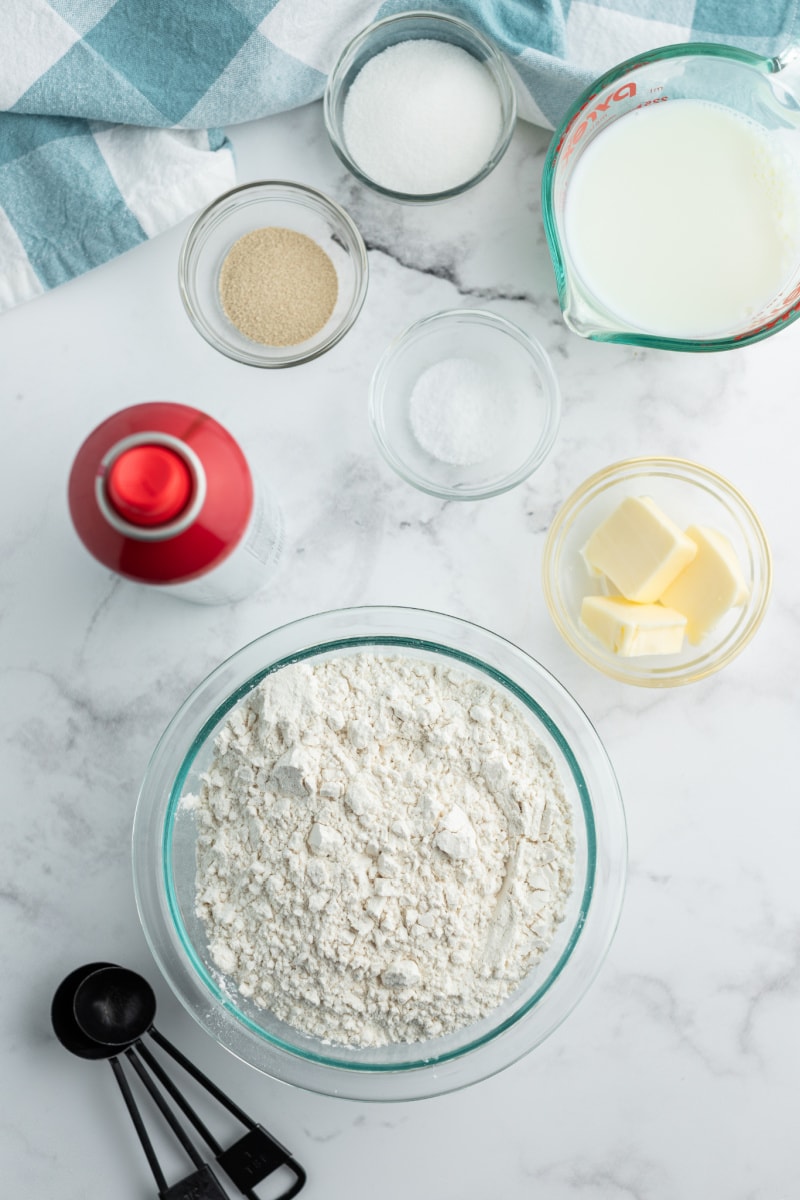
pixel 160 493
pixel 149 485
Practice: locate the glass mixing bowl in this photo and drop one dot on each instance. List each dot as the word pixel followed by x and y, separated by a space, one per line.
pixel 164 840
pixel 690 495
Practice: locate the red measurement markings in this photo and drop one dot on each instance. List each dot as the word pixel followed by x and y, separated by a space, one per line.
pixel 580 122
pixel 785 308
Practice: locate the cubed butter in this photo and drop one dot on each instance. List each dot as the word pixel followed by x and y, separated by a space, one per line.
pixel 712 583
pixel 639 549
pixel 629 629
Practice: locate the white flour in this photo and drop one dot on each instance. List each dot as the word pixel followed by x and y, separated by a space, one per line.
pixel 384 848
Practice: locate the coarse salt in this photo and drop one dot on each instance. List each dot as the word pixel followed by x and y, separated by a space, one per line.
pixel 459 411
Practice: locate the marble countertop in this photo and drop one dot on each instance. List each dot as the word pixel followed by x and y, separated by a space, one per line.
pixel 677 1075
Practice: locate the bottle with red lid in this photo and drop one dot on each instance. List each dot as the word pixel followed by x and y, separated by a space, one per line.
pixel 163 495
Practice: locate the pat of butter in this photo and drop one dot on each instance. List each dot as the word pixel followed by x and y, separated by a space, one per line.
pixel 712 583
pixel 629 629
pixel 639 549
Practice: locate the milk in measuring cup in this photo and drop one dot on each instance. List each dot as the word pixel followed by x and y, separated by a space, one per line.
pixel 683 218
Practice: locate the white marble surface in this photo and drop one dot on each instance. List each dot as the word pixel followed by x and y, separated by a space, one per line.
pixel 676 1077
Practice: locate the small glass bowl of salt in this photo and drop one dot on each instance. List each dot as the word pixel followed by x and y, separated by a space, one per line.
pixel 420 106
pixel 464 404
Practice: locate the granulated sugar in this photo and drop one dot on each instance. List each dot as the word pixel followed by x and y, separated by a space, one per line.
pixel 384 849
pixel 421 117
pixel 277 286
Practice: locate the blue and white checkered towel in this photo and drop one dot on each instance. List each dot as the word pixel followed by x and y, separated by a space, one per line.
pixel 111 110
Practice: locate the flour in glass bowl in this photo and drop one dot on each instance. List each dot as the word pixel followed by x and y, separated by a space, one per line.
pixel 384 849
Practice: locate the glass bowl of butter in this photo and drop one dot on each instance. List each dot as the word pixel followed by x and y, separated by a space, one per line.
pixel 657 571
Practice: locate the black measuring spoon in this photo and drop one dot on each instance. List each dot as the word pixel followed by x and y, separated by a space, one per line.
pixel 114 1007
pixel 201 1184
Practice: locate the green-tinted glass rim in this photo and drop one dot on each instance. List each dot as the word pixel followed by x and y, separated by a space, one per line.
pixel 377 640
pixel 768 66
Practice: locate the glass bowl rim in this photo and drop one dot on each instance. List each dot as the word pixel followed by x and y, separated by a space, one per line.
pixel 543 366
pixel 233 200
pixel 677 469
pixel 180 969
pixel 500 75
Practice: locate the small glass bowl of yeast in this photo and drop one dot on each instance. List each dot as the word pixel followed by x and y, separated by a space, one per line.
pixel 304 257
pixel 689 495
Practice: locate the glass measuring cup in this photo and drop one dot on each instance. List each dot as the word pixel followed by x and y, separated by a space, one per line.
pixel 746 83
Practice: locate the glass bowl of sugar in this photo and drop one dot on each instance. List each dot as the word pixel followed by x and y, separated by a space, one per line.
pixel 420 107
pixel 379 853
pixel 464 404
pixel 273 273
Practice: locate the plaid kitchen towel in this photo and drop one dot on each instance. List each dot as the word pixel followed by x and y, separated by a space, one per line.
pixel 111 111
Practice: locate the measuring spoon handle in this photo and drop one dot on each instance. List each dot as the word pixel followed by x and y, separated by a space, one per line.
pixel 251 1158
pixel 202 1079
pixel 136 1117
